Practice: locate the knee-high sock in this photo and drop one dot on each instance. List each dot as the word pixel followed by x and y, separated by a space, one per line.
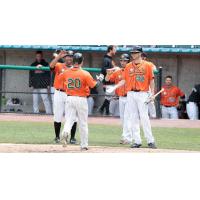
pixel 73 130
pixel 57 126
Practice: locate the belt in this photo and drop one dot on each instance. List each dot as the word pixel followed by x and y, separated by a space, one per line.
pixel 60 90
pixel 136 90
pixel 168 106
pixel 76 96
pixel 124 95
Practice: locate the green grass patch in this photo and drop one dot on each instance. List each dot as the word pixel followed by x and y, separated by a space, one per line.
pixel 100 135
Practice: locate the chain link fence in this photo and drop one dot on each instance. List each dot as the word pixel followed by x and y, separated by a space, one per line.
pixel 21 92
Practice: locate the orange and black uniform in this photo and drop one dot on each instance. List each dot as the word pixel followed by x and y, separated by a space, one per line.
pixel 138 77
pixel 170 96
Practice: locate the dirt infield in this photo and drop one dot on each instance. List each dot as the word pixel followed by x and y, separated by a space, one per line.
pixel 44 148
pixel 102 120
pixel 22 148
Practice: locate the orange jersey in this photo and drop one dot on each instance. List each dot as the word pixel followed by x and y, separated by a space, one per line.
pixel 138 77
pixel 77 82
pixel 116 77
pixel 58 69
pixel 170 96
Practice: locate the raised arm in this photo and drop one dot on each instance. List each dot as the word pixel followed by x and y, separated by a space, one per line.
pixel 57 58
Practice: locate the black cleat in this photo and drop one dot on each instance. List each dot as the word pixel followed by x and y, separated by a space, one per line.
pixel 73 141
pixel 136 145
pixel 152 146
pixel 57 140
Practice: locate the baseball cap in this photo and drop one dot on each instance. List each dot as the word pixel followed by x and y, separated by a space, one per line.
pixel 136 49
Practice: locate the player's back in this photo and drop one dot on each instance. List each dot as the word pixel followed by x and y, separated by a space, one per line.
pixel 77 82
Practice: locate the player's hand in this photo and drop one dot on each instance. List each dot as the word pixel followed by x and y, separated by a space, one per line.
pixel 112 70
pixel 111 90
pixel 39 66
pixel 100 77
pixel 62 54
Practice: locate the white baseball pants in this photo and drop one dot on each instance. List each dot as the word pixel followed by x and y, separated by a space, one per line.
pixel 77 107
pixel 52 97
pixel 192 111
pixel 138 111
pixel 114 107
pixel 124 116
pixel 152 109
pixel 90 102
pixel 45 100
pixel 59 105
pixel 169 112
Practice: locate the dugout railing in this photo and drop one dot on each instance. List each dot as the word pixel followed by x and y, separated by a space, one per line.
pixel 16 95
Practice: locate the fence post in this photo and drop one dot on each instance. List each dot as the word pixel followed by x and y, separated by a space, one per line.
pixel 159 86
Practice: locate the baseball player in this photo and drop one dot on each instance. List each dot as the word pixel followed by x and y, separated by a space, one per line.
pixel 170 99
pixel 116 75
pixel 59 94
pixel 193 102
pixel 138 77
pixel 77 82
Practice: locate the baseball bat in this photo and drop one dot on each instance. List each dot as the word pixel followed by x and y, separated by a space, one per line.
pixel 154 96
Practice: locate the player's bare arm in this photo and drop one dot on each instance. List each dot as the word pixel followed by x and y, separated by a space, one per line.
pixel 121 83
pixel 152 87
pixel 61 55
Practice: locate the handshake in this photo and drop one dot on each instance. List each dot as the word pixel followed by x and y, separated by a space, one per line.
pixel 100 77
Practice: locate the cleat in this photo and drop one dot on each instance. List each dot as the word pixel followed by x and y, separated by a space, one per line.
pixel 84 148
pixel 64 139
pixel 57 140
pixel 73 141
pixel 136 145
pixel 152 146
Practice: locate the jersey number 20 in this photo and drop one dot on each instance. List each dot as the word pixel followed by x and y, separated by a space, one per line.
pixel 73 83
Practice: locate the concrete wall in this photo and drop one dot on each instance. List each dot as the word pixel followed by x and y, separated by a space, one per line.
pixel 185 69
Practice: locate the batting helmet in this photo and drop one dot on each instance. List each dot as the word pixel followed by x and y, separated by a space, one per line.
pixel 125 57
pixel 78 58
pixel 136 49
pixel 69 53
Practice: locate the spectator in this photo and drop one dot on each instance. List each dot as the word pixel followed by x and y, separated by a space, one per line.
pixel 193 102
pixel 107 64
pixel 39 80
pixel 170 99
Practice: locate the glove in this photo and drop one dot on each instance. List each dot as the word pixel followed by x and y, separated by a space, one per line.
pixel 100 77
pixel 111 89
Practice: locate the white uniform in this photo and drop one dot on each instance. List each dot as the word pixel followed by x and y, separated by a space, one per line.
pixel 139 112
pixel 59 105
pixel 152 109
pixel 124 116
pixel 114 107
pixel 77 107
pixel 45 100
pixel 52 97
pixel 192 110
pixel 90 101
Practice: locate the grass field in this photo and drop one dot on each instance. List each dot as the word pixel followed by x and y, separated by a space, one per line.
pixel 100 135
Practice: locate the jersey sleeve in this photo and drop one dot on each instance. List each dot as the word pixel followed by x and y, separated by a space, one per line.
pixel 151 74
pixel 90 81
pixel 180 93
